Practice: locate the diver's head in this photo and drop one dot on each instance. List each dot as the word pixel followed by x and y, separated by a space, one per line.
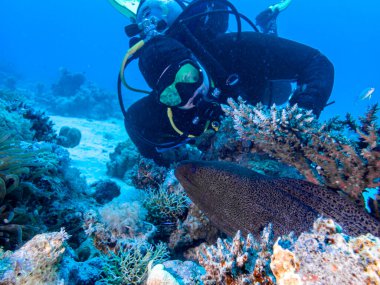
pixel 172 71
pixel 166 11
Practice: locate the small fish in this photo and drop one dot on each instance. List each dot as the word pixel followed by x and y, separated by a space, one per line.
pixel 367 93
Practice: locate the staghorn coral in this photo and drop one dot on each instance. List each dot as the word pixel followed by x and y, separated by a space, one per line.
pixel 240 261
pixel 319 151
pixel 129 265
pixel 324 255
pixel 36 262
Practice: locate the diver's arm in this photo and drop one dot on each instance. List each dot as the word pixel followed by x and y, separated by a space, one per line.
pixel 311 69
pixel 140 121
pixel 315 83
pixel 259 58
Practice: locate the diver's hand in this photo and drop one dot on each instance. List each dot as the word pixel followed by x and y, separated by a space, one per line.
pixel 266 20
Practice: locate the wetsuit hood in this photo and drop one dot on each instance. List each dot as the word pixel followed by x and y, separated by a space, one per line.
pixel 158 54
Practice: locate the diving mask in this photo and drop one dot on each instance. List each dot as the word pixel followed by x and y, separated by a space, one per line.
pixel 183 85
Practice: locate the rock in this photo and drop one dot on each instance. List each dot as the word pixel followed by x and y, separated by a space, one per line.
pixel 81 273
pixel 69 137
pixel 105 191
pixel 158 275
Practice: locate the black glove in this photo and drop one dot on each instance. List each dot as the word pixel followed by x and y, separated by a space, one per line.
pixel 303 99
pixel 266 20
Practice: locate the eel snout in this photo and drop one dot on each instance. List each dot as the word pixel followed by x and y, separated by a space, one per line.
pixel 185 172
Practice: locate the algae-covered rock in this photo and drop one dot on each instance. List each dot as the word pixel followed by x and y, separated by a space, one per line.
pixel 105 191
pixel 36 262
pixel 69 137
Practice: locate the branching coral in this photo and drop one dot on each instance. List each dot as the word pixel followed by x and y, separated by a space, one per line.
pixel 318 151
pixel 325 256
pixel 166 204
pixel 130 264
pixel 240 261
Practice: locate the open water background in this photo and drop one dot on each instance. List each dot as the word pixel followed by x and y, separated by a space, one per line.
pixel 39 37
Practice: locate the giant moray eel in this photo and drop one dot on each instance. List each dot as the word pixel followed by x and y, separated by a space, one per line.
pixel 236 198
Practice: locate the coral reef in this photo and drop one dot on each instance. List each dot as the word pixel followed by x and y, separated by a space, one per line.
pixel 18 170
pixel 124 158
pixel 105 191
pixel 117 223
pixel 240 261
pixel 72 96
pixel 36 262
pixel 147 174
pixel 166 204
pixel 175 272
pixel 324 255
pixel 195 229
pixel 40 191
pixel 22 120
pixel 129 265
pixel 319 151
pixel 86 272
pixel 68 84
pixel 69 137
pixel 42 126
pixel 11 121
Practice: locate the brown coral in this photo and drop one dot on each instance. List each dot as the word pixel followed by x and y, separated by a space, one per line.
pixel 320 152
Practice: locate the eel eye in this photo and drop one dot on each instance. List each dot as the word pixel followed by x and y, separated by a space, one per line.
pixel 193 168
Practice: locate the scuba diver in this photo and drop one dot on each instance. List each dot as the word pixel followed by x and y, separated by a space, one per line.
pixel 192 64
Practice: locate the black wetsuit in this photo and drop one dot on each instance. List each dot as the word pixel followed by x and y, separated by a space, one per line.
pixel 257 59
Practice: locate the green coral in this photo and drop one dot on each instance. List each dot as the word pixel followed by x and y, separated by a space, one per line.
pixel 165 204
pixel 18 169
pixel 130 264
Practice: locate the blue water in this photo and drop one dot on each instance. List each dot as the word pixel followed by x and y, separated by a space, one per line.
pixel 39 37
